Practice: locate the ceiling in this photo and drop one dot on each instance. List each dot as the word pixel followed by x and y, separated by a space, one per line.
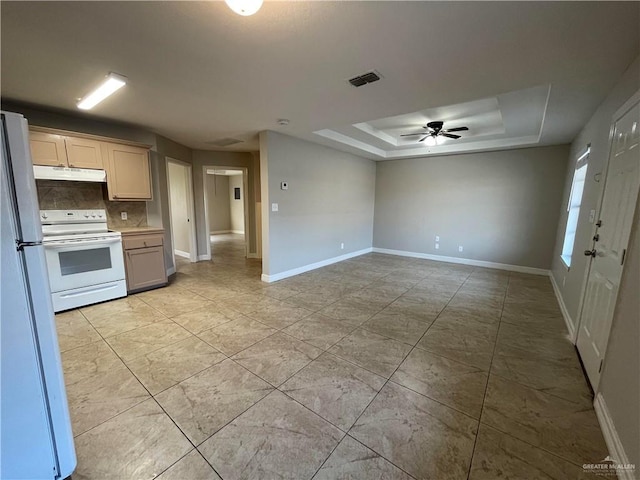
pixel 199 73
pixel 514 119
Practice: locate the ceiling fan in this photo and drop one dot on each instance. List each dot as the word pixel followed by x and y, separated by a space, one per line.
pixel 434 130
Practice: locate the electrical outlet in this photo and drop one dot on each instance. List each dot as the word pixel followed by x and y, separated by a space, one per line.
pixel 437 238
pixel 274 207
pixel 460 248
pixel 123 215
pixel 437 246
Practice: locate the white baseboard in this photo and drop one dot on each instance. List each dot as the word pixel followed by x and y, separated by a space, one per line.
pixel 180 253
pixel 204 257
pixel 312 266
pixel 241 232
pixel 171 271
pixel 563 308
pixel 219 232
pixel 464 261
pixel 611 438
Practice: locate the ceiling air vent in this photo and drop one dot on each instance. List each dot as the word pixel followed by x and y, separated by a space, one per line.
pixel 365 78
pixel 225 142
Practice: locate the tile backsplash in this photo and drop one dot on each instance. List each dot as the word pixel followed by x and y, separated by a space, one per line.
pixel 67 195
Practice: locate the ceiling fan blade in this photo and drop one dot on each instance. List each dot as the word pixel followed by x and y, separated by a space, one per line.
pixel 449 135
pixel 424 138
pixel 457 129
pixel 411 134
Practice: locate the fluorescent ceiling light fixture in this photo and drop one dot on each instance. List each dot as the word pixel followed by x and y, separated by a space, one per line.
pixel 112 84
pixel 244 7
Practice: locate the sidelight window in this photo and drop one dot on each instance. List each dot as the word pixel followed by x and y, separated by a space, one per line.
pixel 573 206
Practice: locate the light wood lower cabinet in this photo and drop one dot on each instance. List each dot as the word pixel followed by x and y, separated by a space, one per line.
pixel 144 261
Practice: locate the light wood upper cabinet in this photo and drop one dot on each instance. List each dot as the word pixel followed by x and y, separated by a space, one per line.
pixel 48 149
pixel 127 164
pixel 84 153
pixel 55 150
pixel 128 172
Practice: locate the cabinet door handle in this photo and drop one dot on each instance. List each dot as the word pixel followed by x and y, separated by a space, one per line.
pixel 71 165
pixel 61 165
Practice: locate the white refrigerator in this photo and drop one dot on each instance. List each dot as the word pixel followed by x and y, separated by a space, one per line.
pixel 36 441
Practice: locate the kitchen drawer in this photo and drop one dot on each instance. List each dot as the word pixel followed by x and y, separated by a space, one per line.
pixel 132 242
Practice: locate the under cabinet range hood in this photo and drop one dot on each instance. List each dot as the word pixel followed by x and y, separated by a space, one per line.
pixel 71 174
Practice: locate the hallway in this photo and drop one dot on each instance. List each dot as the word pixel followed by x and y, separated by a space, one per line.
pixel 227 255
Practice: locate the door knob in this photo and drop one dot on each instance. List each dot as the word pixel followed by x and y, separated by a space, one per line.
pixel 590 253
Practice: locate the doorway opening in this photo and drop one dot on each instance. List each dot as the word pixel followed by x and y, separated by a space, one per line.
pixel 226 211
pixel 181 208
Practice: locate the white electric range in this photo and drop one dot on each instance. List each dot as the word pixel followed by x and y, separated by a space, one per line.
pixel 84 258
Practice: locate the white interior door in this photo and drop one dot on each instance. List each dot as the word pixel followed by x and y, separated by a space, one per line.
pixel 611 240
pixel 181 210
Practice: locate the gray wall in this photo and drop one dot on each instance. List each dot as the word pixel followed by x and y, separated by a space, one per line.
pixel 330 200
pixel 620 380
pixel 595 132
pixel 500 206
pixel 218 207
pixel 202 158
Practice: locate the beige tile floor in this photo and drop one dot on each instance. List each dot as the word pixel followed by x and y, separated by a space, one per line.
pixel 376 367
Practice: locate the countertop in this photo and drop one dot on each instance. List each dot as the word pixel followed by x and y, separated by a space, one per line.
pixel 138 230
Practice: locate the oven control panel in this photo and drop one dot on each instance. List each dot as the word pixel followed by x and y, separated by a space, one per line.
pixel 53 217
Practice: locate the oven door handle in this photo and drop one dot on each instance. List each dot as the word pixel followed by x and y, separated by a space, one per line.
pixel 82 243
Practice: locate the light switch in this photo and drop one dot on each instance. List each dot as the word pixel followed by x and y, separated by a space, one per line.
pixel 437 238
pixel 123 215
pixel 274 207
pixel 592 216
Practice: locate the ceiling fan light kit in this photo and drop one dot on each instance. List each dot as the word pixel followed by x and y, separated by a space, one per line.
pixel 434 133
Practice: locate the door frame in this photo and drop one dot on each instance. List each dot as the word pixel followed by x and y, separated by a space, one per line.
pixel 620 112
pixel 193 253
pixel 245 201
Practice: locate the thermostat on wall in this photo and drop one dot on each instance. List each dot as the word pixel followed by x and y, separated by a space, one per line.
pixel 284 186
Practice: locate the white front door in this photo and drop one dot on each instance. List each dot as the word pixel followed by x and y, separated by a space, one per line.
pixel 611 240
